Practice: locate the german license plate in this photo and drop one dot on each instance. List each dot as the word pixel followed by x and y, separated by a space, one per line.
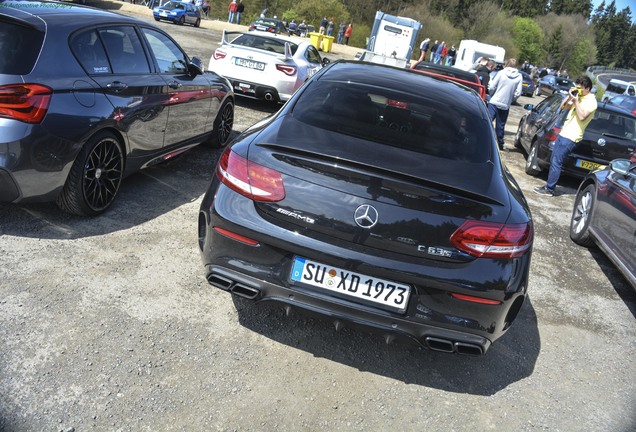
pixel 581 163
pixel 251 64
pixel 381 293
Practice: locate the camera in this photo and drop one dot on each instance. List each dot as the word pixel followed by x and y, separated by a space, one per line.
pixel 575 92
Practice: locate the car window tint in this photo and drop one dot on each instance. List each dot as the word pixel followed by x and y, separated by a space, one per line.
pixel 89 52
pixel 19 48
pixel 170 58
pixel 402 120
pixel 124 50
pixel 614 124
pixel 312 55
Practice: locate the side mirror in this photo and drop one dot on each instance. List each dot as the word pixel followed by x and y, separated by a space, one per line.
pixel 196 66
pixel 528 107
pixel 325 61
pixel 620 166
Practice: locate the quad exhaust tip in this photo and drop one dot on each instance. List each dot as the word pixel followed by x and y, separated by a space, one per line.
pixel 448 346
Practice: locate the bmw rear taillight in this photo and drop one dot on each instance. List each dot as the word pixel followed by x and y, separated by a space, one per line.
pixel 218 55
pixel 553 134
pixel 286 69
pixel 493 240
pixel 25 102
pixel 250 179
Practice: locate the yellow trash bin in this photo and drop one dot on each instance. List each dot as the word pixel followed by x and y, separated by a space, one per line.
pixel 315 39
pixel 327 42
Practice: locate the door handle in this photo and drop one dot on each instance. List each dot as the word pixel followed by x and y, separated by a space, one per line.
pixel 174 84
pixel 117 86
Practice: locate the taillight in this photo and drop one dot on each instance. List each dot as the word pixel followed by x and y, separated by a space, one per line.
pixel 475 299
pixel 553 134
pixel 493 240
pixel 250 179
pixel 25 102
pixel 633 157
pixel 218 55
pixel 286 69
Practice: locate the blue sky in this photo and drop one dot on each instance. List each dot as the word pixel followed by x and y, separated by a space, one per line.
pixel 620 5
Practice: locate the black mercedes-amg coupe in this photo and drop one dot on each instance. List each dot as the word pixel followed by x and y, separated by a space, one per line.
pixel 375 197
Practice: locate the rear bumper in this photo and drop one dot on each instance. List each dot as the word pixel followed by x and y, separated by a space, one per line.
pixel 433 318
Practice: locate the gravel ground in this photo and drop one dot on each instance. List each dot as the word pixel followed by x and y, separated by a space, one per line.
pixel 107 324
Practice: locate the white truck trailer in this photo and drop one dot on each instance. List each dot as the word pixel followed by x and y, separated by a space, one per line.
pixel 391 41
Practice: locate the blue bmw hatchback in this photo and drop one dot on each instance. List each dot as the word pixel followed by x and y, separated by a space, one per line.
pixel 179 13
pixel 88 97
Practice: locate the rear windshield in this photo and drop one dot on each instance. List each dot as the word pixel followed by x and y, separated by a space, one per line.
pixel 613 124
pixel 617 87
pixel 402 120
pixel 263 43
pixel 565 82
pixel 19 48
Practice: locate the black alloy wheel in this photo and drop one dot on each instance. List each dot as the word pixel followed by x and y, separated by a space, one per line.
pixel 94 179
pixel 223 123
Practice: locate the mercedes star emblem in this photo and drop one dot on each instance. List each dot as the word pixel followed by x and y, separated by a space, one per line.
pixel 366 216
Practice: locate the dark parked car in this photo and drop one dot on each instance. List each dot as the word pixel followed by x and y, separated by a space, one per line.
pixel 625 102
pixel 610 135
pixel 393 212
pixel 88 97
pixel 270 25
pixel 605 213
pixel 469 79
pixel 551 84
pixel 528 86
pixel 178 13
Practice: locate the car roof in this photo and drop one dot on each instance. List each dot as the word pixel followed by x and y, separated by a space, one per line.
pixel 34 12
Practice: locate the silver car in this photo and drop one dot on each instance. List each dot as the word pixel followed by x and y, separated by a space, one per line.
pixel 264 66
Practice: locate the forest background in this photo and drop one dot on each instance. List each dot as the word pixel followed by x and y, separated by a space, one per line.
pixel 560 34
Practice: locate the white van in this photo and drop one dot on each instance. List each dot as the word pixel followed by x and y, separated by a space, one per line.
pixel 618 87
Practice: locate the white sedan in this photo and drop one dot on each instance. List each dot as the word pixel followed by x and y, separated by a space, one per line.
pixel 264 66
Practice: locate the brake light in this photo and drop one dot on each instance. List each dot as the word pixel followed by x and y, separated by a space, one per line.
pixel 248 241
pixel 493 240
pixel 218 55
pixel 250 179
pixel 286 69
pixel 553 134
pixel 25 102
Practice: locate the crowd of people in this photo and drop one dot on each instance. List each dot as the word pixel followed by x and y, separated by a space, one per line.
pixel 440 52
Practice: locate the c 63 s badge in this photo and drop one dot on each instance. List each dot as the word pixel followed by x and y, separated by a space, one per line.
pixel 436 251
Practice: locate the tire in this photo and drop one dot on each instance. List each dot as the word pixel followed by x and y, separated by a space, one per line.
pixel 198 23
pixel 156 19
pixel 582 215
pixel 222 126
pixel 517 141
pixel 532 162
pixel 95 177
pixel 181 21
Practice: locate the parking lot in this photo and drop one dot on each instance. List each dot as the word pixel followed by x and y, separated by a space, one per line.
pixel 109 324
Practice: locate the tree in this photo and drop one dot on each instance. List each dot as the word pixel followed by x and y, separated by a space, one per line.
pixel 528 38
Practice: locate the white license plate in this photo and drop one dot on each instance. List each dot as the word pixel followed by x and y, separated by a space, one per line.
pixel 581 163
pixel 249 64
pixel 382 293
pixel 163 14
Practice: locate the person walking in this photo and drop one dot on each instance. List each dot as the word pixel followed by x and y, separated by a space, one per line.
pixel 424 48
pixel 483 70
pixel 581 105
pixel 341 31
pixel 347 33
pixel 450 58
pixel 438 52
pixel 323 26
pixel 232 11
pixel 240 8
pixel 433 51
pixel 504 87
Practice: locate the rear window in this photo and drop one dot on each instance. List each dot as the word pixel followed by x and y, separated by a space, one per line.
pixel 402 120
pixel 613 124
pixel 19 48
pixel 264 43
pixel 617 87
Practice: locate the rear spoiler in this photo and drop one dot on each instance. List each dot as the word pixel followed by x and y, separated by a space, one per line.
pixel 229 36
pixel 478 88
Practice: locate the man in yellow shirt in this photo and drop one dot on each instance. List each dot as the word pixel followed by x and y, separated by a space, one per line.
pixel 581 105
